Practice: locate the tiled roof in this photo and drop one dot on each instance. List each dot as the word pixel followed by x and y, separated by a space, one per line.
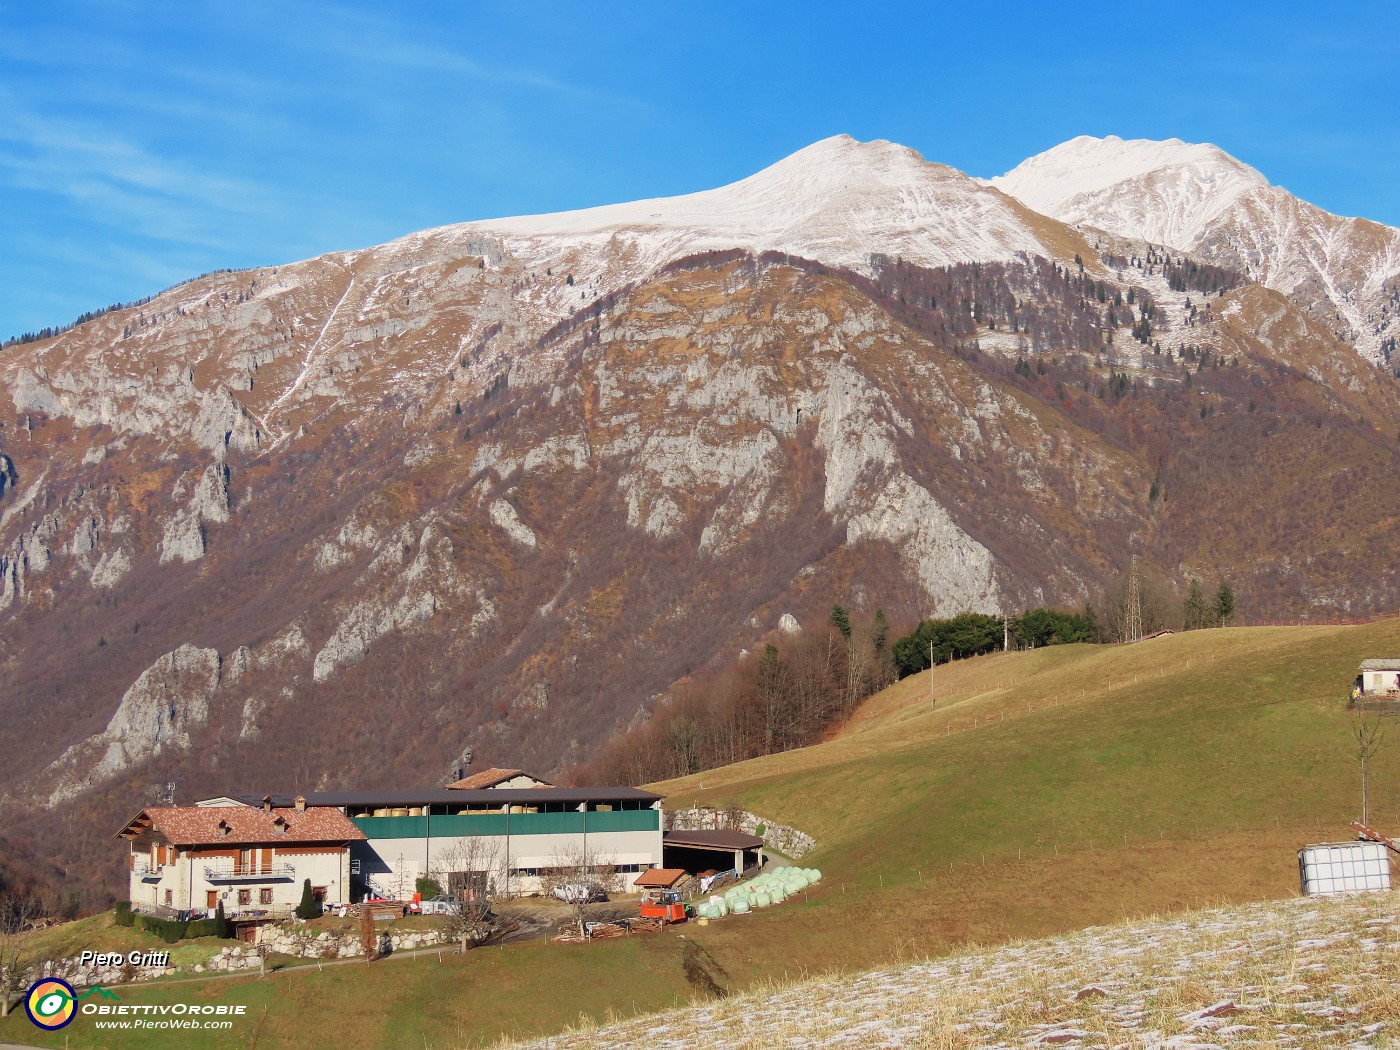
pixel 659 878
pixel 242 825
pixel 489 778
pixel 1380 665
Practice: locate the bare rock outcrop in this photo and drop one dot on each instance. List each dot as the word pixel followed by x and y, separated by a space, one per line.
pixel 156 714
pixel 505 518
pixel 9 477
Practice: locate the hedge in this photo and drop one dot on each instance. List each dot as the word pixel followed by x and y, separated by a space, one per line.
pixel 168 930
pixel 123 915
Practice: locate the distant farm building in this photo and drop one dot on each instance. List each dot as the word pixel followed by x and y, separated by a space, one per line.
pixel 1377 685
pixel 489 779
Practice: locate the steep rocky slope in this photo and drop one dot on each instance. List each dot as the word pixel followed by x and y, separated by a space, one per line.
pixel 486 491
pixel 1196 198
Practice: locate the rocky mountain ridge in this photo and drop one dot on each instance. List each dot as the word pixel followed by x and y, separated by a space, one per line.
pixel 1197 198
pixel 485 492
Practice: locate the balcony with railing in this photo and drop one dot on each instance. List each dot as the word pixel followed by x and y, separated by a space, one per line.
pixel 146 871
pixel 249 872
pixel 256 912
pixel 251 912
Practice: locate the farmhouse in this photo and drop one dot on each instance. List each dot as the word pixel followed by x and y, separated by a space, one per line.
pixel 507 835
pixel 252 859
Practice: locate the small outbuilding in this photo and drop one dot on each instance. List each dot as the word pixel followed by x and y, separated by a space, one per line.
pixel 1377 684
pixel 697 851
pixel 660 878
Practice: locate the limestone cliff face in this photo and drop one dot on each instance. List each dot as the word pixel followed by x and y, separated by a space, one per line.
pixel 157 713
pixel 488 492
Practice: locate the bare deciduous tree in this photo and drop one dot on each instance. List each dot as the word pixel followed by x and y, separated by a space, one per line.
pixel 18 913
pixel 468 870
pixel 577 876
pixel 1368 732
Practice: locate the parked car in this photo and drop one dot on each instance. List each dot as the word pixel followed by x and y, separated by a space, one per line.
pixel 579 893
pixel 439 906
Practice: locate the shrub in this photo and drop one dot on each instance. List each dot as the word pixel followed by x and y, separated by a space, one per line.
pixel 202 928
pixel 123 915
pixel 429 888
pixel 168 930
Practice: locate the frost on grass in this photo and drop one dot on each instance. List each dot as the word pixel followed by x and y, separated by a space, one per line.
pixel 1299 973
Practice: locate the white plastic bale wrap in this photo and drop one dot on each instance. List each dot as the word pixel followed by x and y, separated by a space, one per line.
pixel 1344 867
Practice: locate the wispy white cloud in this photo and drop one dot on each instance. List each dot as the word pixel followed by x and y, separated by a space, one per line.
pixel 120 182
pixel 371 40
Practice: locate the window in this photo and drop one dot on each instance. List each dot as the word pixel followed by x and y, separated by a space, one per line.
pixel 167 898
pixel 265 895
pixel 245 897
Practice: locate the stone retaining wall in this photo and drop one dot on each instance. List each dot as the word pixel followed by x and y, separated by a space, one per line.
pixel 786 840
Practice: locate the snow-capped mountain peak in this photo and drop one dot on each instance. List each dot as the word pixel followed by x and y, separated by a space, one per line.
pixel 1197 198
pixel 1087 164
pixel 838 200
pixel 1165 191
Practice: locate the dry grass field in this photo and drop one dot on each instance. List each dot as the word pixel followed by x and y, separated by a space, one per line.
pixel 1300 973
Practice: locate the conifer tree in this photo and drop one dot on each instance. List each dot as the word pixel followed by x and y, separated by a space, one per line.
pixel 1224 604
pixel 307 909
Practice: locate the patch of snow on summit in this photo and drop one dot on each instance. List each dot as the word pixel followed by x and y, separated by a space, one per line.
pixel 837 201
pixel 1166 192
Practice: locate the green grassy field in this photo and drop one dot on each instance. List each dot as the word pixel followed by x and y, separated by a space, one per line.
pixel 1042 792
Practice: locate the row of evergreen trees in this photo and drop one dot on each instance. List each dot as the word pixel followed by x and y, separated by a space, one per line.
pixel 971 634
pixel 937 641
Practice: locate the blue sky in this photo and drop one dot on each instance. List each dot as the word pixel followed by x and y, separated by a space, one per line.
pixel 144 143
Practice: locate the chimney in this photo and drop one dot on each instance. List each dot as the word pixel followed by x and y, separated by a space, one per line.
pixel 267 803
pixel 300 803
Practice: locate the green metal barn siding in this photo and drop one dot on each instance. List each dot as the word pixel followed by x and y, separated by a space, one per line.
pixel 392 827
pixel 625 820
pixel 517 823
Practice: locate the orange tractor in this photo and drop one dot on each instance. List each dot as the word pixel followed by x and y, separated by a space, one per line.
pixel 665 905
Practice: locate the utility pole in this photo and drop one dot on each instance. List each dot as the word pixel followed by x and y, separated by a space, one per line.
pixel 932 699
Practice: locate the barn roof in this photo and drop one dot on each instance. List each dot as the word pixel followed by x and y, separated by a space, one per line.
pixel 713 839
pixel 457 796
